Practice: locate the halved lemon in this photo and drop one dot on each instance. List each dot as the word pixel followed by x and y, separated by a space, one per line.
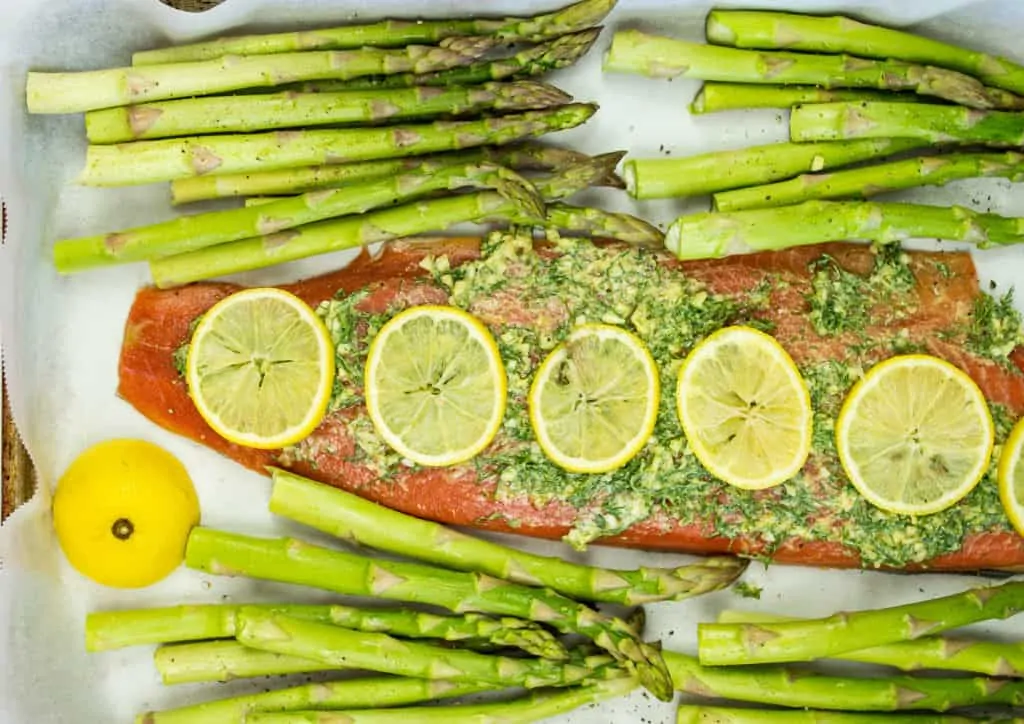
pixel 260 368
pixel 744 408
pixel 435 385
pixel 915 435
pixel 594 399
pixel 1011 476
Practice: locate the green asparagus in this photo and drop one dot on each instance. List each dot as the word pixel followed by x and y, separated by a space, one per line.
pixel 635 52
pixel 224 114
pixel 150 161
pixel 838 34
pixel 360 693
pixel 654 178
pixel 872 180
pixel 781 686
pixel 694 714
pixel 388 33
pixel 351 517
pixel 721 644
pixel 713 97
pixel 106 630
pixel 926 122
pixel 299 563
pixel 356 231
pixel 531 61
pixel 520 157
pixel 347 649
pixel 90 90
pixel 992 658
pixel 714 234
pixel 191 663
pixel 595 222
pixel 198 231
pixel 540 705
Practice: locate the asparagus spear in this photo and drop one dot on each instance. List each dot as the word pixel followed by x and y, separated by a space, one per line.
pixel 198 231
pixel 345 648
pixel 355 231
pixel 525 156
pixel 927 122
pixel 871 180
pixel 839 34
pixel 659 57
pixel 190 663
pixel 540 705
pixel 106 630
pixel 713 97
pixel 361 693
pixel 595 222
pixel 296 562
pixel 531 61
pixel 654 178
pixel 93 89
pixel 162 160
pixel 351 517
pixel 389 33
pixel 709 235
pixel 781 686
pixel 932 652
pixel 224 114
pixel 740 643
pixel 695 714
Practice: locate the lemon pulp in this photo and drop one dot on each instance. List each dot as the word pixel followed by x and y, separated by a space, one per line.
pixel 594 400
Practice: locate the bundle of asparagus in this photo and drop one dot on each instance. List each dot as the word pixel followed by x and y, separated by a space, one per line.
pixel 371 131
pixel 503 609
pixel 873 110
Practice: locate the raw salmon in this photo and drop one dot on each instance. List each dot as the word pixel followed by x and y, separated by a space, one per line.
pixel 943 296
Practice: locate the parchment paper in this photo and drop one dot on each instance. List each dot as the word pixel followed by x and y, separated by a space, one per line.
pixel 61 336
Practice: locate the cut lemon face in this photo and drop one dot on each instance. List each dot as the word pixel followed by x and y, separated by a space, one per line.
pixel 435 385
pixel 260 368
pixel 1011 477
pixel 745 408
pixel 594 399
pixel 914 435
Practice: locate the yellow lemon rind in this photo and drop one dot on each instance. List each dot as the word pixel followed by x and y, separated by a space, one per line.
pixel 703 455
pixel 578 465
pixel 479 332
pixel 1009 459
pixel 318 406
pixel 846 414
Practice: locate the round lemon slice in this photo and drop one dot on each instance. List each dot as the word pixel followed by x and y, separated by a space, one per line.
pixel 745 408
pixel 914 435
pixel 435 385
pixel 1011 476
pixel 260 368
pixel 594 399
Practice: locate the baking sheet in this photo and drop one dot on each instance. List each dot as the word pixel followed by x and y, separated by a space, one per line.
pixel 61 336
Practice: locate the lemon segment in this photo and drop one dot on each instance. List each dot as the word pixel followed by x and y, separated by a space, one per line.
pixel 915 435
pixel 435 385
pixel 744 408
pixel 1011 477
pixel 122 513
pixel 594 400
pixel 260 368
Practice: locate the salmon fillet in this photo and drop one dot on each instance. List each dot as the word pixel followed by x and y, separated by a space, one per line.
pixel 816 520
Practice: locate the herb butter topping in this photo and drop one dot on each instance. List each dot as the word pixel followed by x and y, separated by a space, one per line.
pixel 531 299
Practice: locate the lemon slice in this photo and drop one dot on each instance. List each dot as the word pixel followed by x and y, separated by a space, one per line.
pixel 914 435
pixel 1011 477
pixel 745 408
pixel 594 399
pixel 260 368
pixel 435 385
